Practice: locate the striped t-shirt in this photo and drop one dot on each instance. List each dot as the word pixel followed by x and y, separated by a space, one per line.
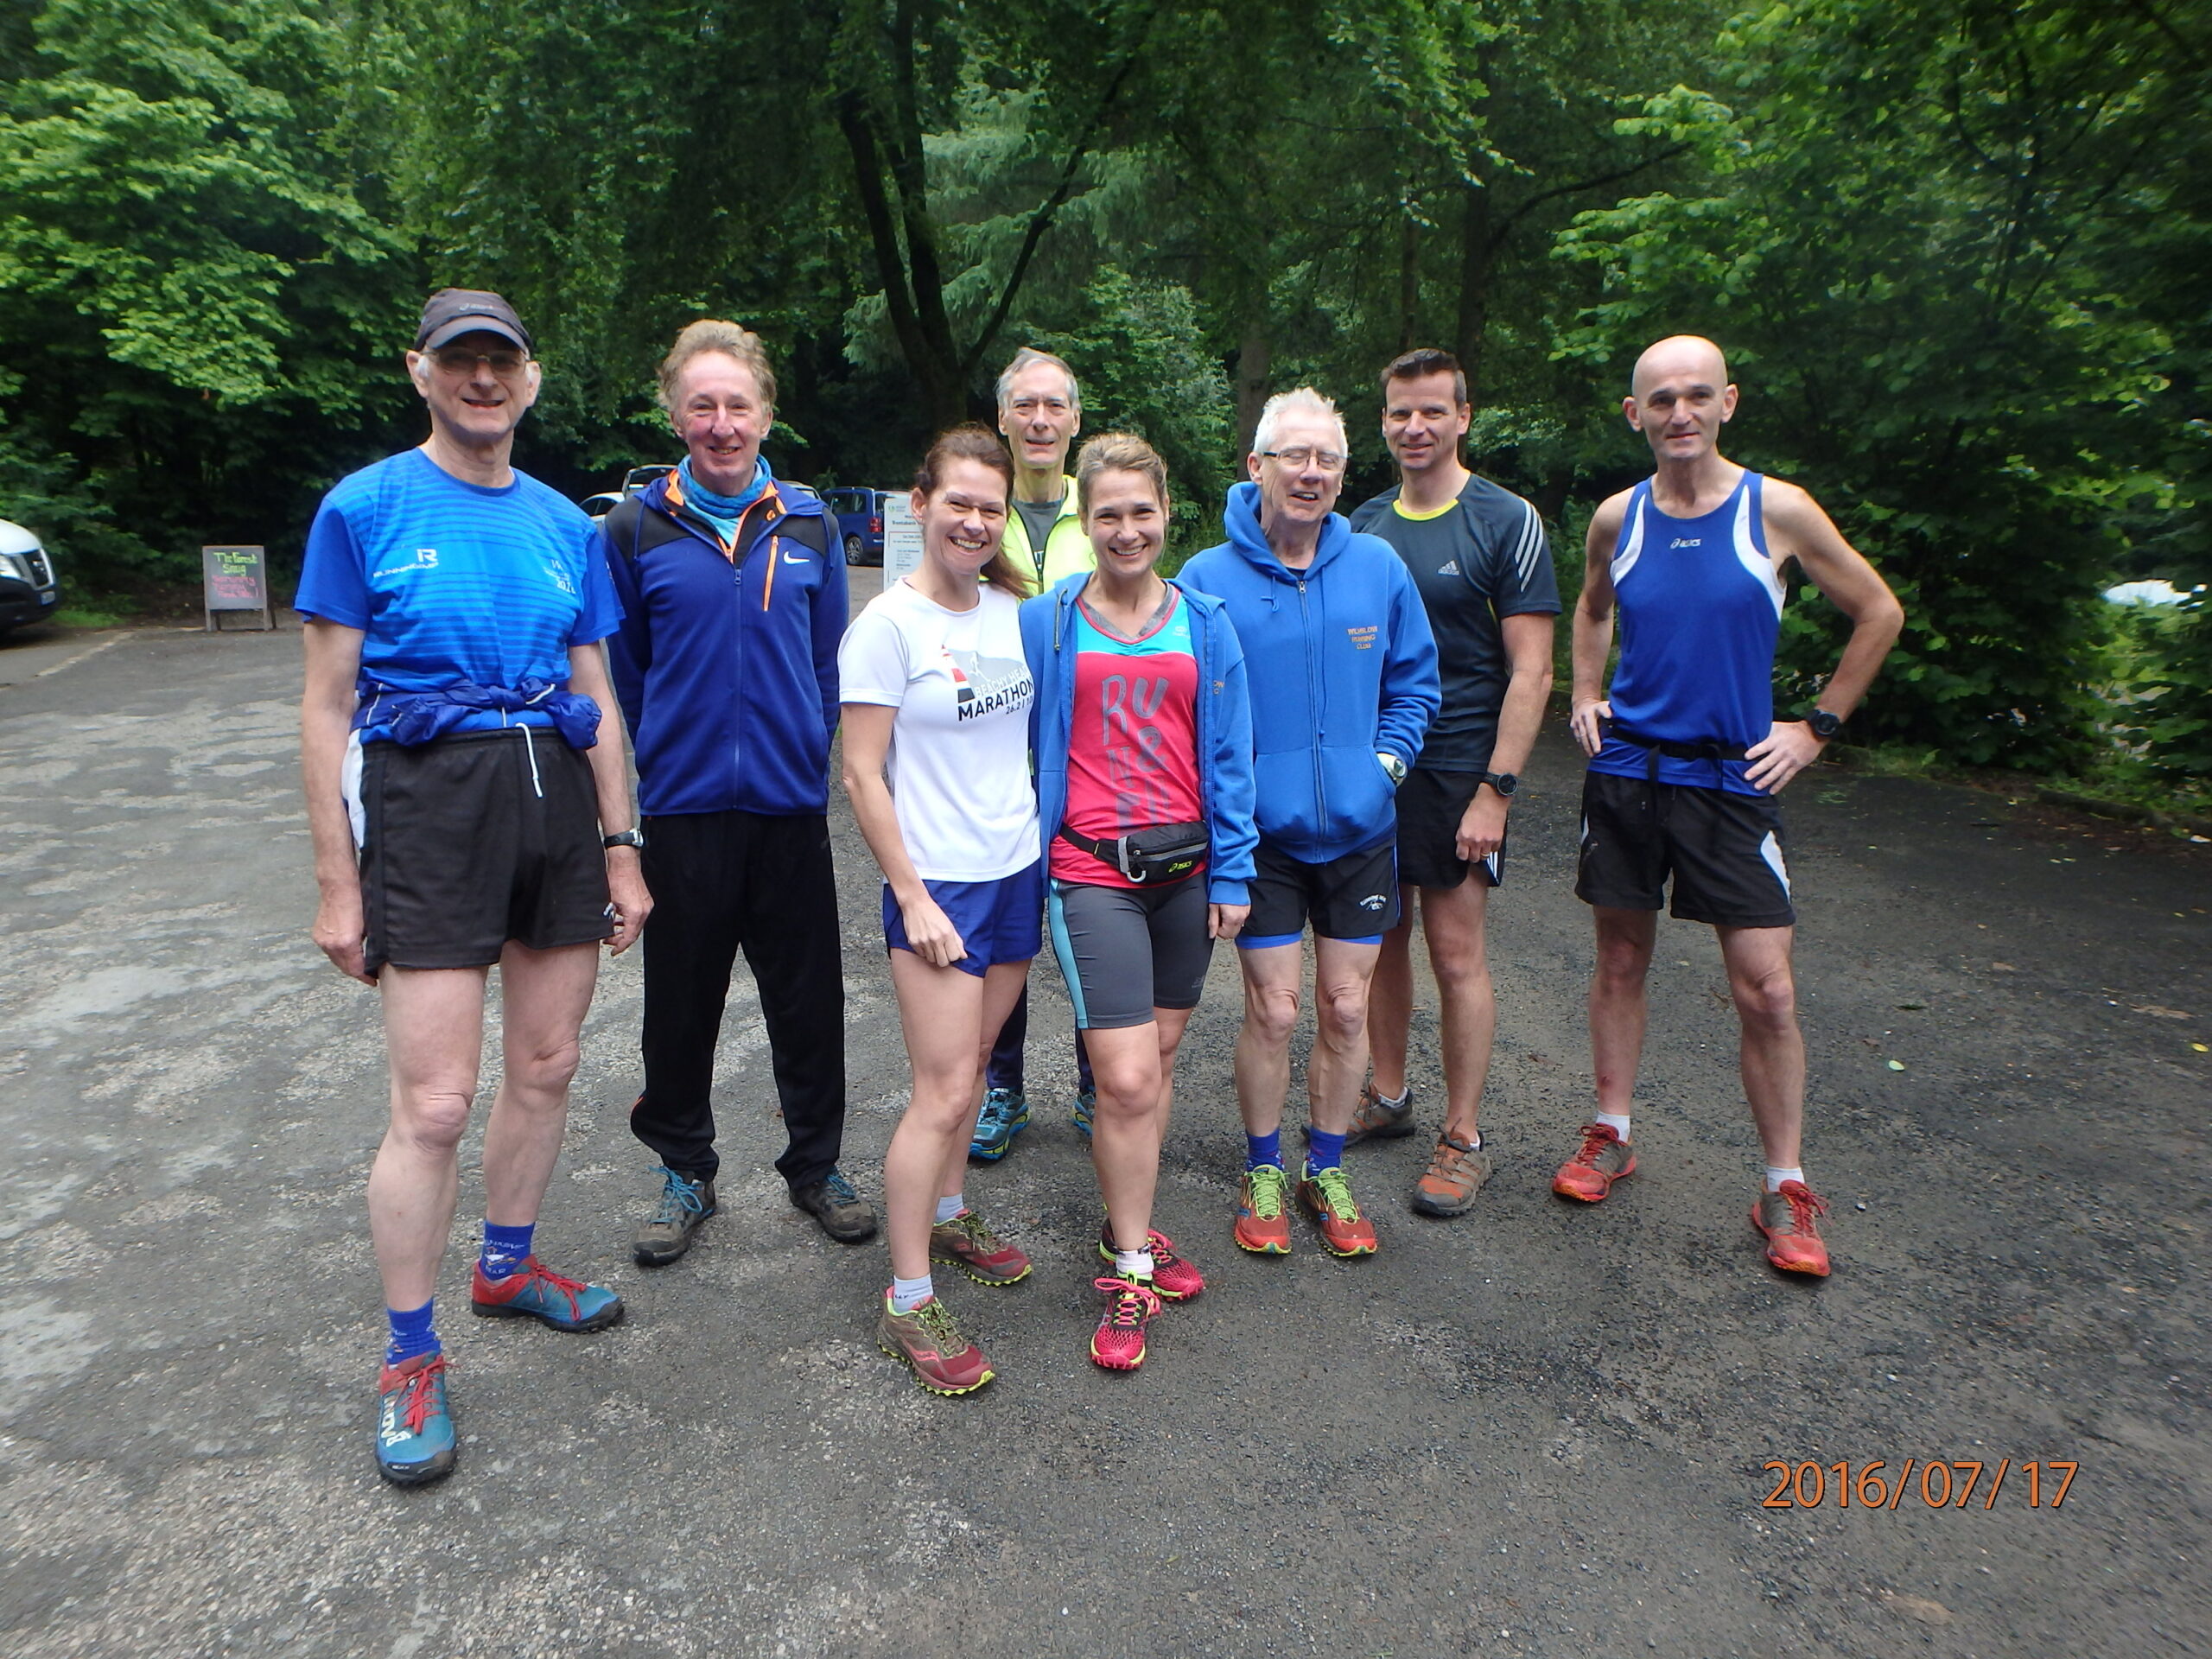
pixel 451 581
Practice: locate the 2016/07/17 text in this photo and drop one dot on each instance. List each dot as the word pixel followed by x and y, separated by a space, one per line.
pixel 1941 1484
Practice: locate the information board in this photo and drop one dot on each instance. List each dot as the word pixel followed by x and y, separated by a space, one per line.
pixel 902 539
pixel 235 579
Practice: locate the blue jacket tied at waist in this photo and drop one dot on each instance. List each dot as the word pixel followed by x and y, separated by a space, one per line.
pixel 423 716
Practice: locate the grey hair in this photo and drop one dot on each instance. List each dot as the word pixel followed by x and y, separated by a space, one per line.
pixel 1029 355
pixel 713 334
pixel 1301 400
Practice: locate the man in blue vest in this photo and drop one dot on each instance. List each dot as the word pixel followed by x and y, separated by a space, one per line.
pixel 727 666
pixel 1687 758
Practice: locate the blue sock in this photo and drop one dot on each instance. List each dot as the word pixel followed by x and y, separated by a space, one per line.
pixel 411 1333
pixel 1263 1149
pixel 1324 1150
pixel 503 1248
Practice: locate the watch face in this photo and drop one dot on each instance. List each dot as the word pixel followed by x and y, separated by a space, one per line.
pixel 1505 782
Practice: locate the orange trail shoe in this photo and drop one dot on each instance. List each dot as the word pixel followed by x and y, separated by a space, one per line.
pixel 1790 1220
pixel 1457 1170
pixel 973 1248
pixel 1373 1119
pixel 1590 1174
pixel 1118 1344
pixel 1262 1214
pixel 1327 1194
pixel 929 1339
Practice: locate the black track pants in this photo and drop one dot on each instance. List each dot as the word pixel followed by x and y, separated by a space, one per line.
pixel 719 881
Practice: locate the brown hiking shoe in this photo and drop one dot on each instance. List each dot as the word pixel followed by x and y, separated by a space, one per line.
pixel 1457 1170
pixel 1373 1119
pixel 686 1201
pixel 1790 1220
pixel 1590 1174
pixel 973 1248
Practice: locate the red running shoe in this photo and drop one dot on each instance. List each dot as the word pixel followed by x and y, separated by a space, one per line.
pixel 930 1340
pixel 1263 1211
pixel 1590 1174
pixel 1175 1279
pixel 1790 1220
pixel 1118 1344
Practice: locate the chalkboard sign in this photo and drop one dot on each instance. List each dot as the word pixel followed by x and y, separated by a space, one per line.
pixel 236 579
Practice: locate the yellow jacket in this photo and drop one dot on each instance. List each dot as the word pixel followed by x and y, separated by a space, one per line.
pixel 1067 549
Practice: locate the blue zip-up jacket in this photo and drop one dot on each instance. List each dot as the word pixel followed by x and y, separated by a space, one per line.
pixel 1225 728
pixel 727 668
pixel 1343 650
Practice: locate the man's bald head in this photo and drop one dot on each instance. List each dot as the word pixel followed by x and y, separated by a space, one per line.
pixel 1691 357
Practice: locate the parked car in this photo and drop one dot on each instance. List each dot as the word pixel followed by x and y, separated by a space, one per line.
pixel 28 592
pixel 860 523
pixel 634 480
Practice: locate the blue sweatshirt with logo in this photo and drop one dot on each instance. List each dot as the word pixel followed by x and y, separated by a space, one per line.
pixel 726 663
pixel 1344 668
pixel 1225 728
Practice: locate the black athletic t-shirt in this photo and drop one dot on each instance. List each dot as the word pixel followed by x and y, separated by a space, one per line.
pixel 1484 558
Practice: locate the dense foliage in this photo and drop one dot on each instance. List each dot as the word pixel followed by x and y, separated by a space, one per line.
pixel 1957 249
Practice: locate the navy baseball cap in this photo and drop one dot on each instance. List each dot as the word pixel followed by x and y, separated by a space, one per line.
pixel 452 312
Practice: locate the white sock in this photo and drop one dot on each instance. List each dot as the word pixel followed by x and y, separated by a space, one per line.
pixel 1617 1122
pixel 948 1208
pixel 1774 1178
pixel 1133 1264
pixel 1395 1102
pixel 907 1294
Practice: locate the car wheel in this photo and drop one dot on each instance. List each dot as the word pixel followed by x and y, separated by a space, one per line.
pixel 856 551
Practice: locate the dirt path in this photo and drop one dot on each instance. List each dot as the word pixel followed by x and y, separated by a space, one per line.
pixel 1541 1430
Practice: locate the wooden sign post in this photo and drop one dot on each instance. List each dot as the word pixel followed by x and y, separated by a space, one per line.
pixel 236 579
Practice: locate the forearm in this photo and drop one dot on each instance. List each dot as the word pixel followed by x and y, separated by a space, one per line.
pixel 1593 645
pixel 877 816
pixel 323 732
pixel 1872 638
pixel 1519 716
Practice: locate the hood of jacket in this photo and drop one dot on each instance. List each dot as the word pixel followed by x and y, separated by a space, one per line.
pixel 1241 518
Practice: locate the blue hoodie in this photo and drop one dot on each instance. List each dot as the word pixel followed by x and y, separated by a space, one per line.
pixel 1225 728
pixel 1344 653
pixel 727 667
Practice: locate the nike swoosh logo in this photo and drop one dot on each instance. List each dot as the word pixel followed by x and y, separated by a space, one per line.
pixel 789 559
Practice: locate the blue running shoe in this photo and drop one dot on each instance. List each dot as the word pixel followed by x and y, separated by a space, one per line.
pixel 1005 1113
pixel 414 1439
pixel 1086 1103
pixel 534 1291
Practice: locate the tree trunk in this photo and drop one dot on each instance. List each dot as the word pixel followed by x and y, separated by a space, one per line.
pixel 1408 281
pixel 1475 259
pixel 1252 361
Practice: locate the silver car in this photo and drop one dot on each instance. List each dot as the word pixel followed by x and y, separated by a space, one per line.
pixel 28 592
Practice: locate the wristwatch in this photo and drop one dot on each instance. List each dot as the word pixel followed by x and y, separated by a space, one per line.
pixel 1395 767
pixel 635 838
pixel 1503 782
pixel 1825 725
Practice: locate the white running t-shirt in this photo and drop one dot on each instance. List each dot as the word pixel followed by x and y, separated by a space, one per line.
pixel 959 765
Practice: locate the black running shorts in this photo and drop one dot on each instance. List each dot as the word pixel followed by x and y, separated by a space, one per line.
pixel 1354 899
pixel 1723 850
pixel 1125 951
pixel 475 839
pixel 1430 805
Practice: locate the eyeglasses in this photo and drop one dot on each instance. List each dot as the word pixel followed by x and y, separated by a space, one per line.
pixel 459 359
pixel 1329 460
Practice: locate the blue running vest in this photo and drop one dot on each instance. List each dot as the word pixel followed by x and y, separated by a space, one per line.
pixel 1701 608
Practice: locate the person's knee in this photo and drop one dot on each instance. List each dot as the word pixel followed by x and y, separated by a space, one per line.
pixel 431 1120
pixel 1622 961
pixel 1460 967
pixel 1340 1013
pixel 1271 1012
pixel 1766 1000
pixel 546 1068
pixel 1126 1085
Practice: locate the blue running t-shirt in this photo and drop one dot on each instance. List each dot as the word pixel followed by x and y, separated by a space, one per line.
pixel 452 581
pixel 1701 609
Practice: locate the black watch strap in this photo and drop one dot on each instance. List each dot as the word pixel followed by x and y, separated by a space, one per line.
pixel 1824 724
pixel 1503 782
pixel 626 838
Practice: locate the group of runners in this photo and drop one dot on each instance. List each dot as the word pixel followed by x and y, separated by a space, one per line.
pixel 1044 737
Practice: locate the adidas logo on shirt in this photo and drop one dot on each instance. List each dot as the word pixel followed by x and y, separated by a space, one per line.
pixel 1450 568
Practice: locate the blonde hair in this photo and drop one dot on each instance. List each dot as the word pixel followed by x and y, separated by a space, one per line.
pixel 712 335
pixel 1117 452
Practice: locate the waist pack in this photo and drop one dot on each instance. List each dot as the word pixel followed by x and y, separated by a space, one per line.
pixel 1152 857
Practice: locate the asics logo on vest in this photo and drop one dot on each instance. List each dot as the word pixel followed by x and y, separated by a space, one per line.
pixel 1687 541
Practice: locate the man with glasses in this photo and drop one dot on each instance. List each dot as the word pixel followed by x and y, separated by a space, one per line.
pixel 1478 555
pixel 727 661
pixel 469 805
pixel 1040 411
pixel 1333 629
